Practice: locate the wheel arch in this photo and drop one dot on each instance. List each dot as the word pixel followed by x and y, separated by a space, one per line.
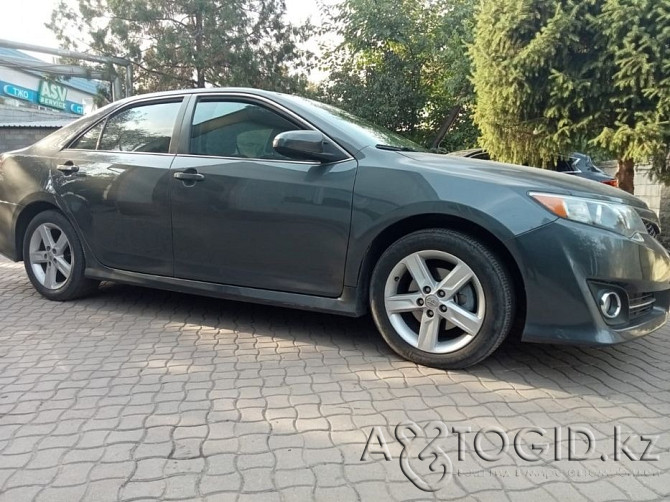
pixel 403 227
pixel 25 217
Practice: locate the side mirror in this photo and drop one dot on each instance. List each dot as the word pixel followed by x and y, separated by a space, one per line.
pixel 305 145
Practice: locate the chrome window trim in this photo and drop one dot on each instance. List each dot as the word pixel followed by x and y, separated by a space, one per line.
pixel 255 159
pixel 122 152
pixel 254 97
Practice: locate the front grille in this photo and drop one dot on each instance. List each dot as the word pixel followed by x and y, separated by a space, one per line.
pixel 652 228
pixel 640 305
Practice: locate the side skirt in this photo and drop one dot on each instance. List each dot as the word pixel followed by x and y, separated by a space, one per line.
pixel 348 304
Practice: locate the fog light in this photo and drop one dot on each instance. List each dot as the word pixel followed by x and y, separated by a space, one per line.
pixel 610 304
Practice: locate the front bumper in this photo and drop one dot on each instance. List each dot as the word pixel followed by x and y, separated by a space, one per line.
pixel 564 263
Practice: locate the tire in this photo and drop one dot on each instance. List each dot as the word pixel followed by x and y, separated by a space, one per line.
pixel 466 310
pixel 54 259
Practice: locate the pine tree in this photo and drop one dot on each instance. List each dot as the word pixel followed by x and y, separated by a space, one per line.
pixel 537 75
pixel 554 76
pixel 638 129
pixel 190 43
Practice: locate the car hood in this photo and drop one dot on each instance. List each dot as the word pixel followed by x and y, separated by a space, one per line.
pixel 530 178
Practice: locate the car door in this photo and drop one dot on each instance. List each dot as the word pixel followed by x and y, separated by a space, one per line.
pixel 114 181
pixel 251 217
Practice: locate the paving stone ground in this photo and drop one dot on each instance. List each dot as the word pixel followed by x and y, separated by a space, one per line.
pixel 137 394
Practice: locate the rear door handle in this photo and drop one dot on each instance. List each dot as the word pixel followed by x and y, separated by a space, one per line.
pixel 189 176
pixel 68 167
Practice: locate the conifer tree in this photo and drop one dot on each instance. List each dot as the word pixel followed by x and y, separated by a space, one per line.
pixel 189 43
pixel 554 76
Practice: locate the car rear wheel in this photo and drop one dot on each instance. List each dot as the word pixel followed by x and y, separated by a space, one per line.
pixel 441 298
pixel 54 259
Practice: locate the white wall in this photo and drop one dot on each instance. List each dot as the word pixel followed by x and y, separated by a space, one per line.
pixel 648 190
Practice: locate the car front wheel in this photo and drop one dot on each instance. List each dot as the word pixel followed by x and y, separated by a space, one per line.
pixel 54 259
pixel 441 298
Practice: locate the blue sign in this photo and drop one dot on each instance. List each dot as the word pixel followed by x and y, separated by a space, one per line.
pixel 17 92
pixel 75 108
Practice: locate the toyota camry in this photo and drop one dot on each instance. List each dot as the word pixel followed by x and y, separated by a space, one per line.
pixel 251 195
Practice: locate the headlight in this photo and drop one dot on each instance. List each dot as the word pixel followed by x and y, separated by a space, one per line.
pixel 612 216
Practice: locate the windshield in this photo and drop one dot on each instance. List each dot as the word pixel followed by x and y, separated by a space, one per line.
pixel 369 132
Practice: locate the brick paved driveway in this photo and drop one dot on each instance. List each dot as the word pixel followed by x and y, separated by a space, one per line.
pixel 138 394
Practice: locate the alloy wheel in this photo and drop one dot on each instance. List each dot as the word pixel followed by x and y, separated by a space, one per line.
pixel 51 257
pixel 434 301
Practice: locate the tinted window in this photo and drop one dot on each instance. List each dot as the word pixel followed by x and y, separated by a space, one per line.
pixel 236 129
pixel 585 163
pixel 144 128
pixel 88 141
pixel 565 166
pixel 482 156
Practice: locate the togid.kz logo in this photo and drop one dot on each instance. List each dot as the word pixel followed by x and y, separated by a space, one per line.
pixel 424 461
pixel 432 468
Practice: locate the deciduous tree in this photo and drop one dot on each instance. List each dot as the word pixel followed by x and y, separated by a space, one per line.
pixel 404 64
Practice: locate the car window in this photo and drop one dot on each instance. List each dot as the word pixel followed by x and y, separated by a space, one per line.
pixel 225 128
pixel 565 166
pixel 592 167
pixel 144 128
pixel 481 156
pixel 88 141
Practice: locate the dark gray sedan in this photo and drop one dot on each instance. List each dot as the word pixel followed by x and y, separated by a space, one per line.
pixel 252 195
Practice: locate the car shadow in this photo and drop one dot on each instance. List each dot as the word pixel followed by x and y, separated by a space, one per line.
pixel 638 366
pixel 305 326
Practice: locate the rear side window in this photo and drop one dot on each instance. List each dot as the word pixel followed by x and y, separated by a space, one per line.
pixel 143 128
pixel 225 128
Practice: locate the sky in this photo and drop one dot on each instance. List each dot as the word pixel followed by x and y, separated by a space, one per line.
pixel 23 21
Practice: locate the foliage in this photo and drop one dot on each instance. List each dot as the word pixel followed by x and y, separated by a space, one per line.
pixel 190 43
pixel 403 64
pixel 562 75
pixel 638 34
pixel 537 77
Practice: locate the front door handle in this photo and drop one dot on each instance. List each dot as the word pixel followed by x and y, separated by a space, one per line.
pixel 189 176
pixel 68 167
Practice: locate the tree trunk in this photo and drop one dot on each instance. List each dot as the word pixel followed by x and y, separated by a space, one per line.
pixel 625 175
pixel 446 125
pixel 199 72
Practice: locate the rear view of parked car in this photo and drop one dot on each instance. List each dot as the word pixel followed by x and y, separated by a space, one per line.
pixel 251 195
pixel 576 164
